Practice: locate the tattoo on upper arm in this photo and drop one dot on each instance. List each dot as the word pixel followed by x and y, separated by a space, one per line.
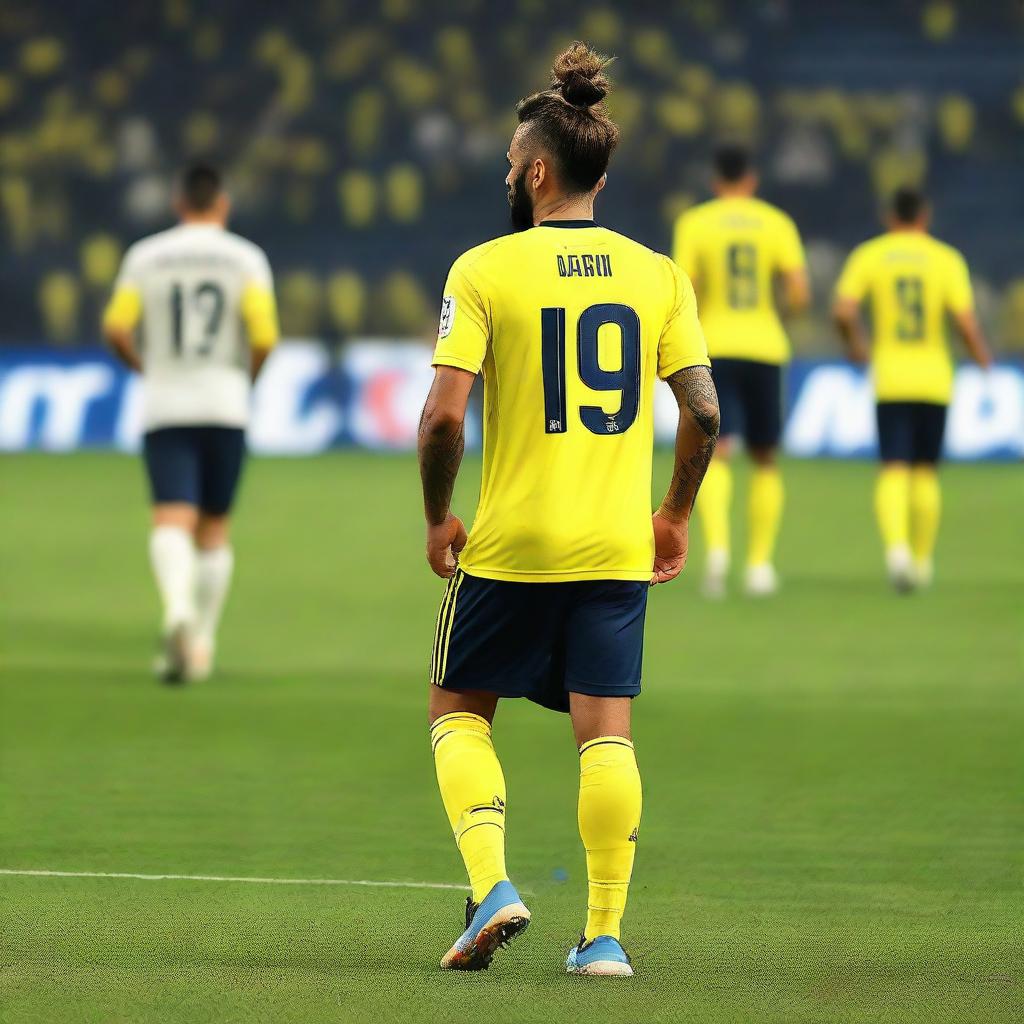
pixel 698 402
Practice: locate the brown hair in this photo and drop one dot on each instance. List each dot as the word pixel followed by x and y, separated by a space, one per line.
pixel 569 119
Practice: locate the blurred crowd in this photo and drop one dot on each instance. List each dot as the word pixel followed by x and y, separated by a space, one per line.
pixel 364 140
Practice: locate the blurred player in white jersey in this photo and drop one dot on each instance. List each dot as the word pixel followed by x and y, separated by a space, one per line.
pixel 193 311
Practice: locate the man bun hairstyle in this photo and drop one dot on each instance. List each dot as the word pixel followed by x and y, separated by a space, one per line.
pixel 908 204
pixel 569 120
pixel 579 74
pixel 200 186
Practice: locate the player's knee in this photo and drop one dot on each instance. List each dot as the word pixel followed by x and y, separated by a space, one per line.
pixel 212 531
pixel 594 717
pixel 763 455
pixel 723 449
pixel 448 702
pixel 177 514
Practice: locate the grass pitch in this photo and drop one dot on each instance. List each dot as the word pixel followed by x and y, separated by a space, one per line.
pixel 832 823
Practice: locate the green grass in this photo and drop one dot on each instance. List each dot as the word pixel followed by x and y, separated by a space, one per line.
pixel 832 824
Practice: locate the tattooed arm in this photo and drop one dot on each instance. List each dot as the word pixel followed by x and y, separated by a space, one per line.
pixel 695 444
pixel 440 445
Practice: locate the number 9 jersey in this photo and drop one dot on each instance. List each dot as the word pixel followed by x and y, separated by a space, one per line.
pixel 200 296
pixel 570 324
pixel 912 280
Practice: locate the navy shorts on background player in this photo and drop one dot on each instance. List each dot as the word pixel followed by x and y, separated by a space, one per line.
pixel 910 431
pixel 542 641
pixel 199 466
pixel 749 400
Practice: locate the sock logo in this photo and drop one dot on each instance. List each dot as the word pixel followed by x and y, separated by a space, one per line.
pixel 634 835
pixel 497 804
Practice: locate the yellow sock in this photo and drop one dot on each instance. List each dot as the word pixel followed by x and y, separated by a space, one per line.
pixel 609 817
pixel 473 791
pixel 892 505
pixel 765 514
pixel 925 511
pixel 713 505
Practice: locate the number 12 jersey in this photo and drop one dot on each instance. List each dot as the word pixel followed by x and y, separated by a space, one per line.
pixel 199 297
pixel 570 324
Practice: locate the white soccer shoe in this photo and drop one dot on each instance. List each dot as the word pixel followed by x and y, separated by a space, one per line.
pixel 900 566
pixel 716 573
pixel 761 580
pixel 171 662
pixel 200 661
pixel 924 573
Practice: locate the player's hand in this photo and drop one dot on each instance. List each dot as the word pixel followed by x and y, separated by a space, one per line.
pixel 859 355
pixel 671 541
pixel 444 542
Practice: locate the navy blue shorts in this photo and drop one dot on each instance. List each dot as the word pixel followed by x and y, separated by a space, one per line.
pixel 542 641
pixel 750 400
pixel 910 431
pixel 199 466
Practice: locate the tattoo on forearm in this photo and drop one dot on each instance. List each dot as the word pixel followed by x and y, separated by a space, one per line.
pixel 440 453
pixel 695 440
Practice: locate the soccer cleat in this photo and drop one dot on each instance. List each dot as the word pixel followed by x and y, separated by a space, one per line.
pixel 489 925
pixel 200 661
pixel 900 567
pixel 924 573
pixel 602 956
pixel 716 571
pixel 761 580
pixel 171 662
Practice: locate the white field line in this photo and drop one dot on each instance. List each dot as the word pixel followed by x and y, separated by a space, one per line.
pixel 38 873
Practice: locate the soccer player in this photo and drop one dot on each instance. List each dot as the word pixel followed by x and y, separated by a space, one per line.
pixel 733 248
pixel 570 324
pixel 912 281
pixel 193 311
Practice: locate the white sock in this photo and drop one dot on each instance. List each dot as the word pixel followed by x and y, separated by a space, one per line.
pixel 173 556
pixel 213 579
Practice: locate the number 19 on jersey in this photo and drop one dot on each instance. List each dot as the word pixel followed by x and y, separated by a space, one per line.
pixel 625 380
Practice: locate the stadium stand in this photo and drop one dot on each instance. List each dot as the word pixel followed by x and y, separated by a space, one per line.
pixel 364 141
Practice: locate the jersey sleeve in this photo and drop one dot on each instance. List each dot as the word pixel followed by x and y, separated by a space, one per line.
pixel 258 306
pixel 684 244
pixel 124 309
pixel 853 281
pixel 789 248
pixel 958 291
pixel 465 327
pixel 682 341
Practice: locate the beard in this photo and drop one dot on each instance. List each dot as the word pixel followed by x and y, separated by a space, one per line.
pixel 521 212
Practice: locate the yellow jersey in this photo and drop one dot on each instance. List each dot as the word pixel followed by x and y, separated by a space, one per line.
pixel 733 248
pixel 911 280
pixel 569 323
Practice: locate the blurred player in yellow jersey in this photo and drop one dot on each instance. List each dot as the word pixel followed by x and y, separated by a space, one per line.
pixel 571 325
pixel 734 248
pixel 912 282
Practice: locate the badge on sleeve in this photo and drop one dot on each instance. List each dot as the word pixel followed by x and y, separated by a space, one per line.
pixel 444 328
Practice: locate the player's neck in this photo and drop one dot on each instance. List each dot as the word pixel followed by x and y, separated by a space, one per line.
pixel 564 208
pixel 211 220
pixel 909 229
pixel 734 192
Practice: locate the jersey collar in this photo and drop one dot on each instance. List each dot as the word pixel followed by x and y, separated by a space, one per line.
pixel 567 224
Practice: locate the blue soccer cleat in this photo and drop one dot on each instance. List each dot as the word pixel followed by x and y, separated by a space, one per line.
pixel 602 956
pixel 489 925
